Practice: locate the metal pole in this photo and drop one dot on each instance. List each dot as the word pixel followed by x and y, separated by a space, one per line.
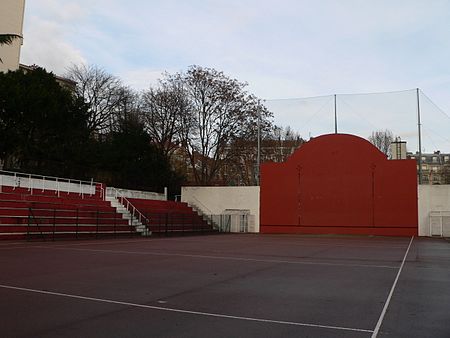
pixel 54 223
pixel 420 136
pixel 76 226
pixel 335 114
pixel 96 227
pixel 258 161
pixel 29 224
pixel 115 221
pixel 167 221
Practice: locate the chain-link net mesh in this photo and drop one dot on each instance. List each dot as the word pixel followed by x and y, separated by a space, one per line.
pixel 361 114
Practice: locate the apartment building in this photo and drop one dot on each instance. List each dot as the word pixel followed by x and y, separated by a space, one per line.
pixel 435 167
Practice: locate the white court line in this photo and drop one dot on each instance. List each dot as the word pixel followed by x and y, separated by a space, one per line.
pixel 222 257
pixel 215 242
pixel 11 243
pixel 305 243
pixel 100 242
pixel 67 244
pixel 198 313
pixel 157 240
pixel 388 300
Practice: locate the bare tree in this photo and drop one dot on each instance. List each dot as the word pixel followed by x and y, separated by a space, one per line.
pixel 128 107
pixel 281 143
pixel 103 92
pixel 220 112
pixel 277 143
pixel 382 139
pixel 164 109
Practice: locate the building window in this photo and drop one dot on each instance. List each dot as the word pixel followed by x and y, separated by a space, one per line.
pixel 434 159
pixel 446 158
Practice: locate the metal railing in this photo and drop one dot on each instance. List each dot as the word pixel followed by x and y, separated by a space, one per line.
pixel 34 182
pixel 202 208
pixel 129 193
pixel 30 218
pixel 166 223
pixel 134 212
pixel 46 226
pixel 222 223
pixel 179 223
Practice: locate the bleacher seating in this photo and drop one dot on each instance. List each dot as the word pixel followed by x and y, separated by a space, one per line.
pixel 51 214
pixel 169 217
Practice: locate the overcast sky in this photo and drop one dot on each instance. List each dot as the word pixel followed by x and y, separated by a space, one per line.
pixel 283 49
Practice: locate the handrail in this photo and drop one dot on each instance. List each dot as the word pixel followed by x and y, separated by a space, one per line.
pixel 33 177
pixel 209 216
pixel 203 206
pixel 61 179
pixel 119 196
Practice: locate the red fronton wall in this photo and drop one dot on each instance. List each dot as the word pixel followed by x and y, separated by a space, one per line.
pixel 339 184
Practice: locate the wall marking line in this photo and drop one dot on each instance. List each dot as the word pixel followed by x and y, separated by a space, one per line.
pixel 388 300
pixel 221 257
pixel 198 313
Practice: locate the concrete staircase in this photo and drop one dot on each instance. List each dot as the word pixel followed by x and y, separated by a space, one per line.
pixel 171 217
pixel 205 217
pixel 126 214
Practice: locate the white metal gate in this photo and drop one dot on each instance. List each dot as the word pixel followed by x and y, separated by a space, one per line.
pixel 440 223
pixel 239 219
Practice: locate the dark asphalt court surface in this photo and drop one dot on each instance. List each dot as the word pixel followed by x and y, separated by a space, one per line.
pixel 226 286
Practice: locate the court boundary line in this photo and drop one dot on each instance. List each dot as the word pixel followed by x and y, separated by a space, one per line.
pixel 242 259
pixel 191 240
pixel 6 243
pixel 198 313
pixel 79 243
pixel 304 244
pixel 388 300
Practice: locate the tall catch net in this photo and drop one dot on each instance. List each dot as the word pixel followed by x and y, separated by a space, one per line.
pixel 362 114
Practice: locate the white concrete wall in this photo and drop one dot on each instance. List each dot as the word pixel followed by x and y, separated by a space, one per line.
pixel 36 184
pixel 216 200
pixel 136 194
pixel 431 198
pixel 11 22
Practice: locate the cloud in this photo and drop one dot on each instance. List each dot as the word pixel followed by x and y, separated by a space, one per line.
pixel 46 32
pixel 45 46
pixel 286 48
pixel 142 78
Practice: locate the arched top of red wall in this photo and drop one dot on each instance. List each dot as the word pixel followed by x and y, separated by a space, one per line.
pixel 338 146
pixel 339 183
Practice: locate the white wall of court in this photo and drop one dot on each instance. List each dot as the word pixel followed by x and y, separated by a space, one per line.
pixel 217 200
pixel 431 198
pixel 147 195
